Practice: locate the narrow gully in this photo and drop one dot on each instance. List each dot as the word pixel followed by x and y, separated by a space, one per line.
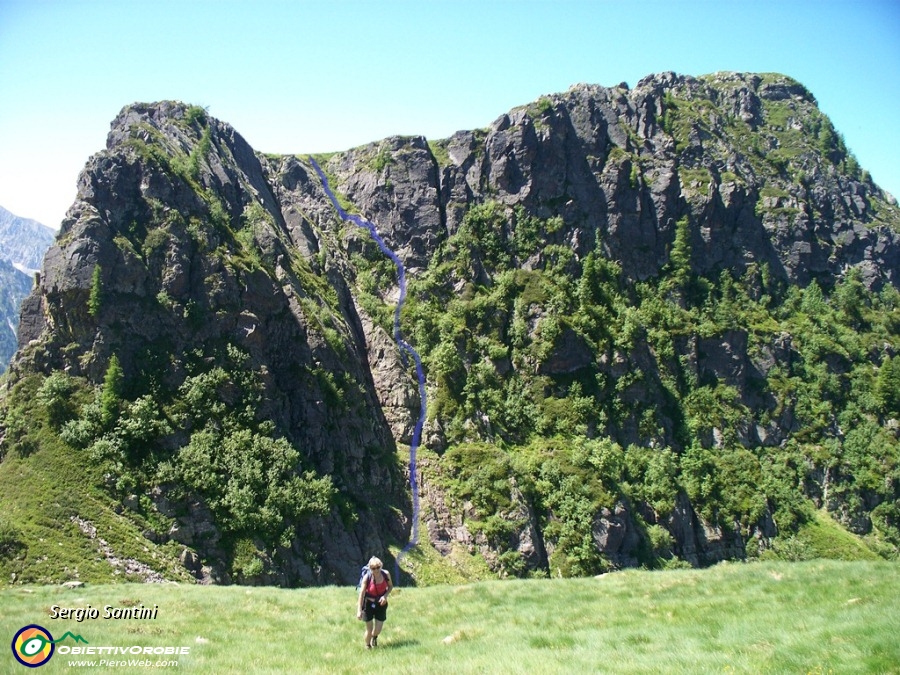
pixel 405 348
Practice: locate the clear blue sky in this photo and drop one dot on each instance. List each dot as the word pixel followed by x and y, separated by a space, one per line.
pixel 303 76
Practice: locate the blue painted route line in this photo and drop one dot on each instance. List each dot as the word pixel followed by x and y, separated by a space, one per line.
pixel 405 348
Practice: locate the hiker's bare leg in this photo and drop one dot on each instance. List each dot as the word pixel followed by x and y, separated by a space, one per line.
pixel 369 633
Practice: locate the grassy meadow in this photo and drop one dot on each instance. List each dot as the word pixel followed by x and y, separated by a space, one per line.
pixel 765 617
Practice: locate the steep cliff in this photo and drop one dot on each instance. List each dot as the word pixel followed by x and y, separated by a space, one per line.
pixel 246 408
pixel 657 323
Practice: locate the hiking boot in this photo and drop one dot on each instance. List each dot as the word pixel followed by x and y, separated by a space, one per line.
pixel 374 640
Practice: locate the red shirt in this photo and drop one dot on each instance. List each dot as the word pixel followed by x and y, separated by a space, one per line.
pixel 374 590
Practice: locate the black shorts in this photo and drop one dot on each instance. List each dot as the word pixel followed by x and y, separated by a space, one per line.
pixel 375 611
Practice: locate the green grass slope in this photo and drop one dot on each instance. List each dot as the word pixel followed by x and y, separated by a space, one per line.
pixel 810 617
pixel 57 520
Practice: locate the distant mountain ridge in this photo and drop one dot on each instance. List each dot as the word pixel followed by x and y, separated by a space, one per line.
pixel 660 326
pixel 23 243
pixel 14 287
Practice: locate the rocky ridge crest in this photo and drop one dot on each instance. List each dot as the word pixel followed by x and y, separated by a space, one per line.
pixel 183 240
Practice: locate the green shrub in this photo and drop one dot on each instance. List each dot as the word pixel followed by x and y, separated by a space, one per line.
pixel 55 395
pixel 789 548
pixel 888 386
pixel 196 115
pixel 95 297
pixel 680 255
pixel 111 392
pixel 11 541
pixel 660 540
pixel 246 562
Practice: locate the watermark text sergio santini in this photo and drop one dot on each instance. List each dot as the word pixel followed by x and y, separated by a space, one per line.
pixel 80 614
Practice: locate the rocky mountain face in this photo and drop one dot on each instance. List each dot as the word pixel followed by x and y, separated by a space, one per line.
pixel 608 288
pixel 23 243
pixel 14 286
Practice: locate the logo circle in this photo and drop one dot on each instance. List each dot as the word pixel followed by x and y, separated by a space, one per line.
pixel 33 646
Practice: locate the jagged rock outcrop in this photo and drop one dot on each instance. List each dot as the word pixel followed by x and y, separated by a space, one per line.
pixel 157 249
pixel 183 240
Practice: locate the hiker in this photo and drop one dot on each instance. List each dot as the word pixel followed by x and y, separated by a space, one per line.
pixel 374 589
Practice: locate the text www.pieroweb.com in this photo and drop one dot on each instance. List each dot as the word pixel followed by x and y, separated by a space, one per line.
pixel 123 663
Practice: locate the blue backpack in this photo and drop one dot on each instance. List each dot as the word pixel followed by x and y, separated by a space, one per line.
pixel 363 577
